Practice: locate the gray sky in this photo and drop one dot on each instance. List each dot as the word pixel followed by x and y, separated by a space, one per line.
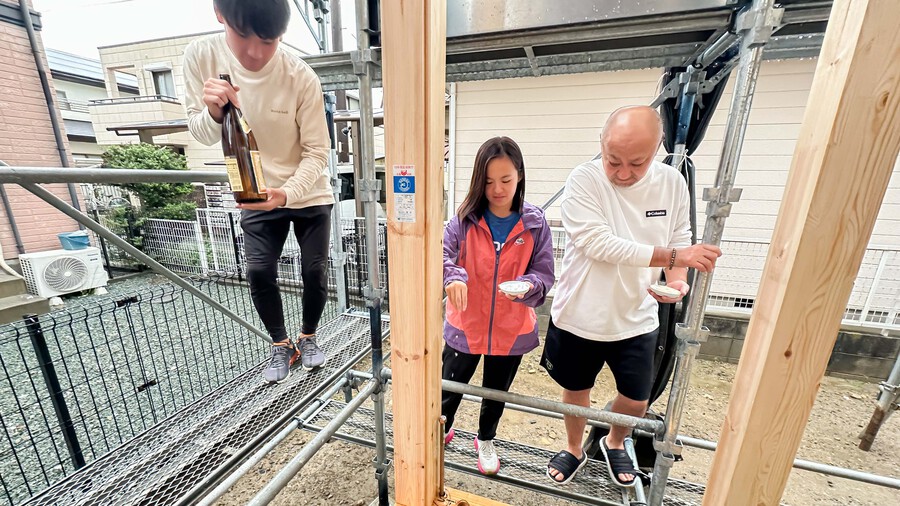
pixel 80 26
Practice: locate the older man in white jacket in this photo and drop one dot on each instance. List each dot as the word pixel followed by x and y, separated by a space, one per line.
pixel 627 217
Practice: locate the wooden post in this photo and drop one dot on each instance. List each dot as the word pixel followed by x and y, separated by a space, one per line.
pixel 413 54
pixel 842 164
pixel 458 496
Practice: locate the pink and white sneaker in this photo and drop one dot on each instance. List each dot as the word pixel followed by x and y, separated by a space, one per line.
pixel 488 461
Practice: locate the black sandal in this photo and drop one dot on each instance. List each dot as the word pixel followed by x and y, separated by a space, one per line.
pixel 618 462
pixel 566 465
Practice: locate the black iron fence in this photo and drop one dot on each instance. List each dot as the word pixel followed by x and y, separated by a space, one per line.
pixel 75 384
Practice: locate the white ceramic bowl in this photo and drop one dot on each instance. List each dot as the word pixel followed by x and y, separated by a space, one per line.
pixel 665 291
pixel 514 287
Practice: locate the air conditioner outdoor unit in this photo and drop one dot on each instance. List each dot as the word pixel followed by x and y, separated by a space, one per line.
pixel 58 272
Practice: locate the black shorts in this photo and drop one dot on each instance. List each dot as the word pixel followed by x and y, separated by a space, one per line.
pixel 575 362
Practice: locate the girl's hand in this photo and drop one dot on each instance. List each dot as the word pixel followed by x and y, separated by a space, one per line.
pixel 517 297
pixel 457 294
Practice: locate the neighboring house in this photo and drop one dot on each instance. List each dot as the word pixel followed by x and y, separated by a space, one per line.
pixel 27 139
pixel 156 114
pixel 557 122
pixel 78 81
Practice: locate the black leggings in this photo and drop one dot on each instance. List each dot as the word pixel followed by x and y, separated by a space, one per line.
pixel 499 373
pixel 264 235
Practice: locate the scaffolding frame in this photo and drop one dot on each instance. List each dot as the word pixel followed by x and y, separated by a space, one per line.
pixel 752 30
pixel 754 27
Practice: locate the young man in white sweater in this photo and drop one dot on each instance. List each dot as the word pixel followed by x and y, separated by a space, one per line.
pixel 281 98
pixel 626 217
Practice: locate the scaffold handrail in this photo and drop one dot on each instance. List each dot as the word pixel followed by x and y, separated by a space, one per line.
pixel 45 175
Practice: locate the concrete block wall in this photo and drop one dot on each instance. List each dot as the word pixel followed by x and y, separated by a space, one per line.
pixel 26 138
pixel 858 354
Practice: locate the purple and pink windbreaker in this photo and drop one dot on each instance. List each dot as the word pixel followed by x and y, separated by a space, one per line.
pixel 493 324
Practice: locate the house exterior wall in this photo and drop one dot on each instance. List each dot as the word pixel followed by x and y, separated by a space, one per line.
pixel 77 95
pixel 140 59
pixel 557 122
pixel 26 139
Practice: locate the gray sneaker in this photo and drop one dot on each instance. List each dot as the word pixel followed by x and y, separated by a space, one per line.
pixel 284 354
pixel 311 356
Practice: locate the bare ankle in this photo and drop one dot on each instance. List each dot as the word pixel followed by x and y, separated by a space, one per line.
pixel 614 444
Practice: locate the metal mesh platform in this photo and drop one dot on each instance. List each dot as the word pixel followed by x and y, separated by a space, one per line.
pixel 523 465
pixel 177 459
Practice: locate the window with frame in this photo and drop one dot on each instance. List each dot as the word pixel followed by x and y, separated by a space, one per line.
pixel 164 83
pixel 63 100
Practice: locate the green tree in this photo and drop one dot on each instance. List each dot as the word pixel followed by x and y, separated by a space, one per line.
pixel 158 200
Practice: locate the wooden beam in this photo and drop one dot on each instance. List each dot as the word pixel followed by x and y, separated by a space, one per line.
pixel 414 49
pixel 457 497
pixel 841 167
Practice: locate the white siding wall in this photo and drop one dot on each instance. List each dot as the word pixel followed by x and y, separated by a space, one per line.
pixel 557 122
pixel 78 95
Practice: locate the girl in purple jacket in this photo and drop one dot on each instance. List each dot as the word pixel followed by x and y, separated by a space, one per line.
pixel 495 237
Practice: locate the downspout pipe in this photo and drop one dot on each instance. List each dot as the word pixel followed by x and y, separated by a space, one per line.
pixel 48 96
pixel 20 246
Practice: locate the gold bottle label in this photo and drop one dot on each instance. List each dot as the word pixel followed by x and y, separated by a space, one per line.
pixel 244 125
pixel 257 170
pixel 234 174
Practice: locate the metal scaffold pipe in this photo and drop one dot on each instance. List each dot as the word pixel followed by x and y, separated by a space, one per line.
pixel 43 175
pixel 287 473
pixel 223 487
pixel 370 191
pixel 554 406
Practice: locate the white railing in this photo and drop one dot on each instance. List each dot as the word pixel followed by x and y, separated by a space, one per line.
pixel 874 301
pixel 133 100
pixel 67 104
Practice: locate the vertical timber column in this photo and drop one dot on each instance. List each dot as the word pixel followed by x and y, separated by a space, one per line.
pixel 413 70
pixel 847 148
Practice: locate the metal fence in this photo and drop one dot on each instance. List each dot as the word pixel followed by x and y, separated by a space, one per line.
pixel 223 242
pixel 117 210
pixel 874 302
pixel 104 196
pixel 213 244
pixel 76 384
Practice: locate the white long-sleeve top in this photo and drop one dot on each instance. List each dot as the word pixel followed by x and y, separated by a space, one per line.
pixel 282 103
pixel 601 293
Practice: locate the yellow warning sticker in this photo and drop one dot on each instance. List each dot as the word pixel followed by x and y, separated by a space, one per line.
pixel 257 170
pixel 234 174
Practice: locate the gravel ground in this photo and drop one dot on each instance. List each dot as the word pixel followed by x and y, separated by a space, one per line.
pixel 122 369
pixel 341 473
